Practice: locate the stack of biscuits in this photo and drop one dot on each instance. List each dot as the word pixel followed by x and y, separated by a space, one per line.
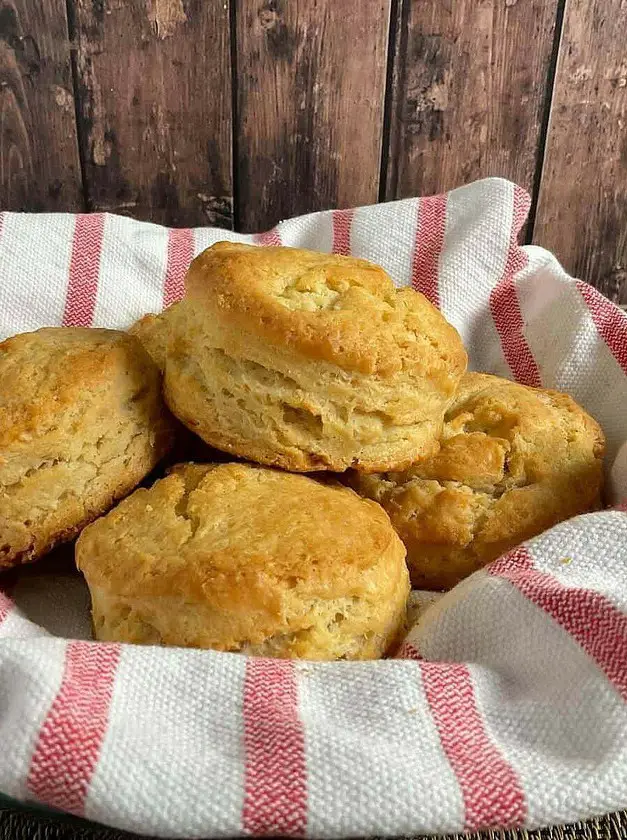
pixel 321 446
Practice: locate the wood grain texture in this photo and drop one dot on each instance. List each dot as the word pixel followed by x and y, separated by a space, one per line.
pixel 154 90
pixel 39 163
pixel 469 86
pixel 582 208
pixel 310 93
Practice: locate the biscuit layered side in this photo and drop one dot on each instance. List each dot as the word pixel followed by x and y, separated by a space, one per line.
pixel 81 423
pixel 309 361
pixel 237 557
pixel 513 462
pixel 152 331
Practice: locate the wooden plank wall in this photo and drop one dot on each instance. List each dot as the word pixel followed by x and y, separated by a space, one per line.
pixel 242 112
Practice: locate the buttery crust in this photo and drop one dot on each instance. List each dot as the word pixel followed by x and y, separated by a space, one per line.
pixel 513 462
pixel 81 423
pixel 237 557
pixel 309 361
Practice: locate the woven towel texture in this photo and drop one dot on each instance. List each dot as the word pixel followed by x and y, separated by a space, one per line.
pixel 508 706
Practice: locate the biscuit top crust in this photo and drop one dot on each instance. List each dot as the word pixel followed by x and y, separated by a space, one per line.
pixel 500 434
pixel 56 369
pixel 242 535
pixel 338 309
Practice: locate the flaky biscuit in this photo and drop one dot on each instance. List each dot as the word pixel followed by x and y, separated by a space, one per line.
pixel 309 361
pixel 514 461
pixel 81 423
pixel 152 331
pixel 237 557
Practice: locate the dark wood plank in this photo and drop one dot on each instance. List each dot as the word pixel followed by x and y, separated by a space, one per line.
pixel 310 92
pixel 154 88
pixel 39 163
pixel 469 88
pixel 582 208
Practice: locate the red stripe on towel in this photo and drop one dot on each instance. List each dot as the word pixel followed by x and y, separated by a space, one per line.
pixel 505 306
pixel 269 238
pixel 610 322
pixel 275 797
pixel 492 793
pixel 70 739
pixel 430 229
pixel 6 605
pixel 180 255
pixel 408 651
pixel 590 618
pixel 342 224
pixel 82 288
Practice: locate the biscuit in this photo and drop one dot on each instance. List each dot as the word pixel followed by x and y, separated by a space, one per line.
pixel 243 558
pixel 309 361
pixel 514 461
pixel 152 331
pixel 81 423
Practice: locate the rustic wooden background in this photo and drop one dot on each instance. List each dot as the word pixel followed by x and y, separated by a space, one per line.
pixel 243 112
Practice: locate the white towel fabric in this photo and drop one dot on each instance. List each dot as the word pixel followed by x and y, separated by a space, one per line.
pixel 508 706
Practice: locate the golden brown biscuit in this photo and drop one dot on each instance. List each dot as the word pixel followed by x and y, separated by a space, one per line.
pixel 152 331
pixel 81 423
pixel 514 461
pixel 309 361
pixel 237 557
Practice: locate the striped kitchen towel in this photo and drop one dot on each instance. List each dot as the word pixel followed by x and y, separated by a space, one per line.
pixel 507 706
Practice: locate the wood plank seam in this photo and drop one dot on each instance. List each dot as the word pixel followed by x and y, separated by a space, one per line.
pixel 396 78
pixel 546 118
pixel 71 33
pixel 395 9
pixel 234 114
